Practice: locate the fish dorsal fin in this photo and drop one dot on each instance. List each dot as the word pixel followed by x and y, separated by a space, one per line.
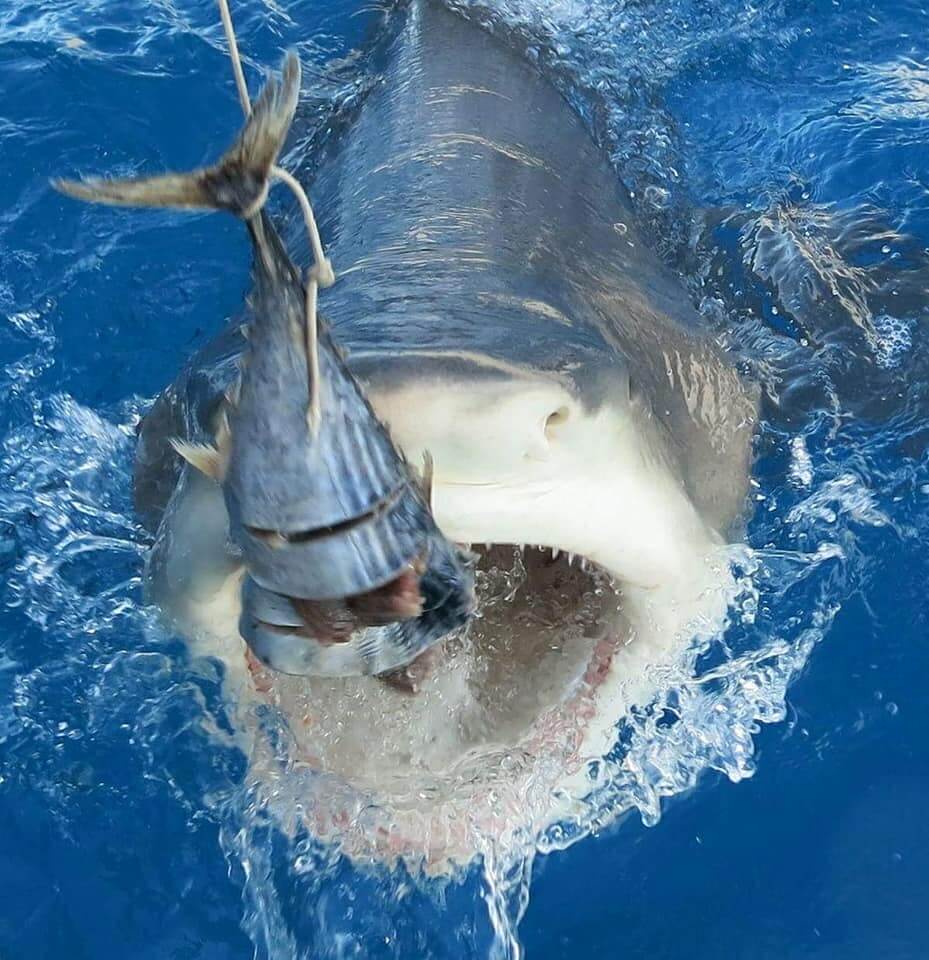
pixel 427 479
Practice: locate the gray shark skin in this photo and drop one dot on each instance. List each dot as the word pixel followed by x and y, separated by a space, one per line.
pixel 473 219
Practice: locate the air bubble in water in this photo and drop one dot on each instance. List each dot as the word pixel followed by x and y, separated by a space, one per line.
pixel 895 337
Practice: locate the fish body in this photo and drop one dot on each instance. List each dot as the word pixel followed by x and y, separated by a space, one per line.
pixel 347 572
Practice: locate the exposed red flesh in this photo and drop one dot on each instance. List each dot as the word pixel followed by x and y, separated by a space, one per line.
pixel 333 621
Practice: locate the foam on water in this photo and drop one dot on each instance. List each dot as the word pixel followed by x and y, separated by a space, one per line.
pixel 896 338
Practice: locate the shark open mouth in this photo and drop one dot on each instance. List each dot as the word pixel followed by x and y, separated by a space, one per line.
pixel 507 702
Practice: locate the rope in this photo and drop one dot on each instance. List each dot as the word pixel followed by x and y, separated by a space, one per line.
pixel 322 268
pixel 234 56
pixel 320 273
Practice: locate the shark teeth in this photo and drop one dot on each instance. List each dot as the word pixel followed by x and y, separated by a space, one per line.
pixel 574 559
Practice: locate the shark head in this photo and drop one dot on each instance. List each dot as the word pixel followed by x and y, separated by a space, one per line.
pixel 590 450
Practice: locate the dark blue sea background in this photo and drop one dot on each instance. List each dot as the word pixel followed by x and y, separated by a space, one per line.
pixel 777 153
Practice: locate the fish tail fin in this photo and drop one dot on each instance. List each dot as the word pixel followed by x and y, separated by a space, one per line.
pixel 237 183
pixel 180 190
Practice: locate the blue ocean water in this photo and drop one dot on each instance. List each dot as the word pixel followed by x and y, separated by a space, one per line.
pixel 776 157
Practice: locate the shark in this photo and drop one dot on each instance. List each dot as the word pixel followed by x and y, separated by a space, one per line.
pixel 500 314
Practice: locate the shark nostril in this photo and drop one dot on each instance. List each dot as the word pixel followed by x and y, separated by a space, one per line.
pixel 633 390
pixel 554 420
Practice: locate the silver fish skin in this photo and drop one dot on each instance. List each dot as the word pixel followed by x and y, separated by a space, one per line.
pixel 326 512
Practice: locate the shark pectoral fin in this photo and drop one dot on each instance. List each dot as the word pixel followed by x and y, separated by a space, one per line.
pixel 238 183
pixel 204 457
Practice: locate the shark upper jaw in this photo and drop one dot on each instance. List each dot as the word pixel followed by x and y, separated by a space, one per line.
pixel 521 459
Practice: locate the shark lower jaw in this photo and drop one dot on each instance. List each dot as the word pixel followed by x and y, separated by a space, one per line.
pixel 526 693
pixel 517 680
pixel 497 737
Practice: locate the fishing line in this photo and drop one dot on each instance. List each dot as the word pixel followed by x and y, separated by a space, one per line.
pixel 320 273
